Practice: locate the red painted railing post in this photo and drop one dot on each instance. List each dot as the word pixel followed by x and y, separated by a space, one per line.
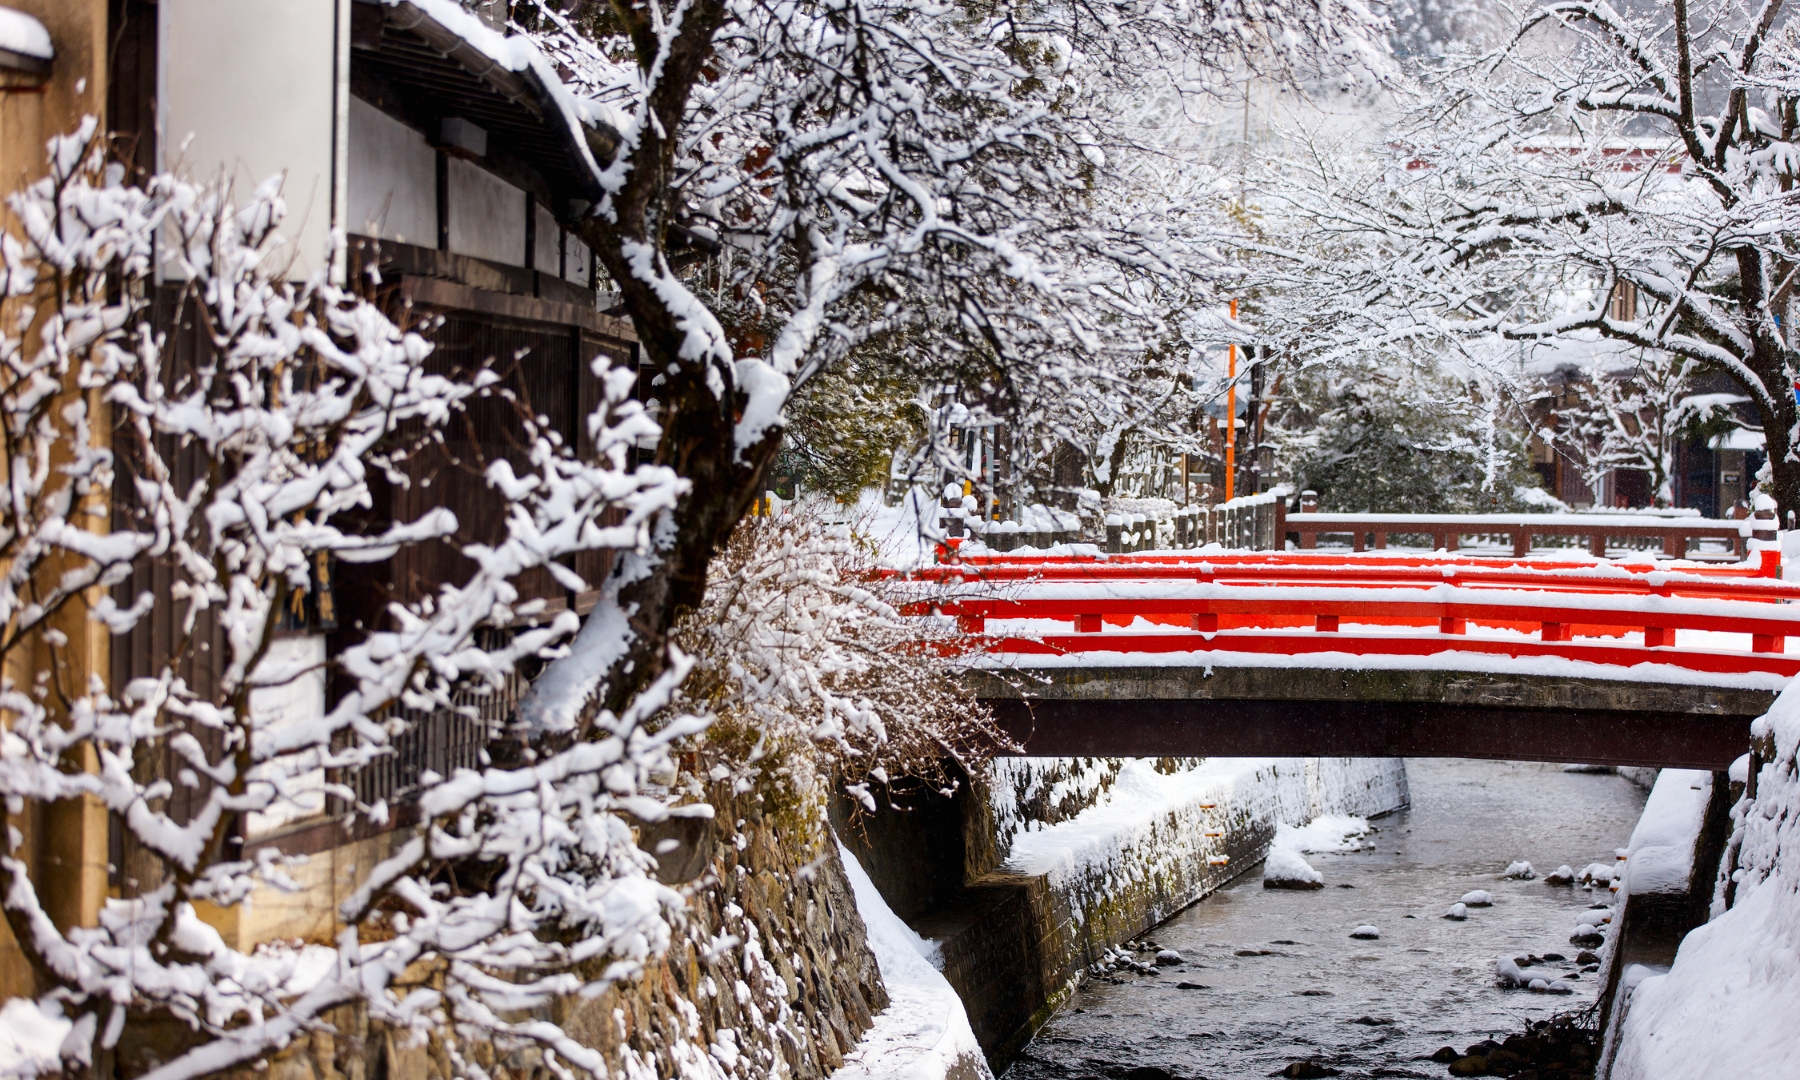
pixel 1327 624
pixel 1656 637
pixel 1767 643
pixel 1204 621
pixel 1451 625
pixel 1554 631
pixel 1087 624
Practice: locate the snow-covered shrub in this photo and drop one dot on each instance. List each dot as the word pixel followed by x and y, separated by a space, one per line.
pixel 809 669
pixel 241 468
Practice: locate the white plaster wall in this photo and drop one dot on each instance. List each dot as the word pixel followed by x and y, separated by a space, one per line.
pixel 247 90
pixel 393 178
pixel 297 666
pixel 578 262
pixel 487 215
pixel 549 235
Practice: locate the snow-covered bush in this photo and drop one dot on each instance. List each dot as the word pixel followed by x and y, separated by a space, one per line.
pixel 241 468
pixel 811 672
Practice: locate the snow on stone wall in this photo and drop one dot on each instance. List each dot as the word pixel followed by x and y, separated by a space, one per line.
pixel 1150 828
pixel 1726 1007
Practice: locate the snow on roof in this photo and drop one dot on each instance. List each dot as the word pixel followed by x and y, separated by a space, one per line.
pixel 517 53
pixel 22 34
pixel 1739 439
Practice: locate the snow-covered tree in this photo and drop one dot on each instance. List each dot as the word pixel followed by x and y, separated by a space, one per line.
pixel 242 469
pixel 854 168
pixel 811 667
pixel 1389 437
pixel 1640 156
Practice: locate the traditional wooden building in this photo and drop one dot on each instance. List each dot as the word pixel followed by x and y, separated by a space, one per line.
pixel 451 180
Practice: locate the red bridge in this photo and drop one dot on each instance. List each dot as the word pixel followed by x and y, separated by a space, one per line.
pixel 1264 653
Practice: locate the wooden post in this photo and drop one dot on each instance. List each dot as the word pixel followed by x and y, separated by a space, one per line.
pixel 1231 414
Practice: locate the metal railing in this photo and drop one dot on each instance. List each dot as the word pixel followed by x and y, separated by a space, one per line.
pixel 439 741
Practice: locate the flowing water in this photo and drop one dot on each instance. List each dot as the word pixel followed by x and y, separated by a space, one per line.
pixel 1274 977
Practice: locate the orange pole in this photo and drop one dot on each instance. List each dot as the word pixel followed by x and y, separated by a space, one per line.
pixel 1231 415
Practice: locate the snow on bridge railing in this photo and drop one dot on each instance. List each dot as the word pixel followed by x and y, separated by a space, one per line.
pixel 1613 615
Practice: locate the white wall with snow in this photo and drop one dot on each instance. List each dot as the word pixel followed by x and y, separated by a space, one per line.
pixel 487 215
pixel 547 255
pixel 249 89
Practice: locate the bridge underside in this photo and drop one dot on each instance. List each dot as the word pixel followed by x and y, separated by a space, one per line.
pixel 1324 712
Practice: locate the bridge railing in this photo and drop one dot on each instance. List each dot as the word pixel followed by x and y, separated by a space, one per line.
pixel 1287 619
pixel 1619 614
pixel 1674 534
pixel 1753 578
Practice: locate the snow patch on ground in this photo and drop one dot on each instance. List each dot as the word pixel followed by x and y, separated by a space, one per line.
pixel 924 1032
pixel 1287 868
pixel 1726 1006
pixel 1661 855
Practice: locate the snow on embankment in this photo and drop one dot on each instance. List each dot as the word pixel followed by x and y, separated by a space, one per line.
pixel 1727 1006
pixel 1156 841
pixel 924 1032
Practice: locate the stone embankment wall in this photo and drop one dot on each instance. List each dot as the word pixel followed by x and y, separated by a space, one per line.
pixel 1034 869
pixel 791 1002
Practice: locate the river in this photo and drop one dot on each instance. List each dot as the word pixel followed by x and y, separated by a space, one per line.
pixel 1275 977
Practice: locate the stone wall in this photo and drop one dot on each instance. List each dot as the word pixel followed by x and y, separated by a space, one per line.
pixel 790 1002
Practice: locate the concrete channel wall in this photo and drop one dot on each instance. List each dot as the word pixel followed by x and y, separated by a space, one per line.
pixel 1665 887
pixel 1034 869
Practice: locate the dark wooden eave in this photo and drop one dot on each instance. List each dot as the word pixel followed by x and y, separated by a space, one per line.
pixel 410 66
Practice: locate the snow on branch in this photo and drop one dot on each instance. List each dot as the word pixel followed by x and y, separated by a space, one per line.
pixel 243 461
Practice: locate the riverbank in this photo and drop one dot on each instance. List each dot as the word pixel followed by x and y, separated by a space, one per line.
pixel 1725 1007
